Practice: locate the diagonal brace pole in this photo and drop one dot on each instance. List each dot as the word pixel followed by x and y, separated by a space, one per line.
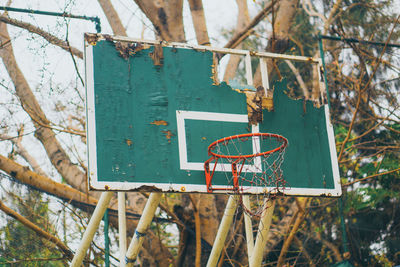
pixel 122 228
pixel 248 226
pixel 141 229
pixel 263 228
pixel 91 228
pixel 223 230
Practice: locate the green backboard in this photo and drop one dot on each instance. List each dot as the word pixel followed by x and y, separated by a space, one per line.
pixel 152 111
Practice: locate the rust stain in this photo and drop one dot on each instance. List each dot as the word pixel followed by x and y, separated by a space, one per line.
pixel 168 135
pixel 254 105
pixel 91 38
pixel 128 142
pixel 157 55
pixel 214 70
pixel 159 122
pixel 268 103
pixel 126 49
pixel 256 102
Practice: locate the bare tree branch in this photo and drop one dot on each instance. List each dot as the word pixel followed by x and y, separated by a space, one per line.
pixel 22 151
pixel 309 9
pixel 299 79
pixel 43 183
pixel 57 155
pixel 47 36
pixel 243 34
pixel 302 203
pixel 370 177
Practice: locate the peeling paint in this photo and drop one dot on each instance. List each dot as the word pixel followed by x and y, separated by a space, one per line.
pixel 157 55
pixel 91 38
pixel 168 135
pixel 214 70
pixel 129 49
pixel 268 103
pixel 159 123
pixel 146 188
pixel 128 142
pixel 254 105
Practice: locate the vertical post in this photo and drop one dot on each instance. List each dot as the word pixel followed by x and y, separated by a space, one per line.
pixel 91 228
pixel 263 229
pixel 141 229
pixel 264 75
pixel 321 51
pixel 106 240
pixel 121 228
pixel 343 226
pixel 223 230
pixel 249 72
pixel 248 226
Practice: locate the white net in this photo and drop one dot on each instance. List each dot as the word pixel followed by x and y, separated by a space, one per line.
pixel 252 164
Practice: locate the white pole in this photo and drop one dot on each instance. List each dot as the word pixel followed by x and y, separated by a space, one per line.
pixel 263 229
pixel 223 230
pixel 264 75
pixel 248 226
pixel 121 228
pixel 91 228
pixel 141 229
pixel 249 72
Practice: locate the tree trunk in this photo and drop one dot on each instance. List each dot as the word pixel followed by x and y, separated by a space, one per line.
pixel 166 17
pixel 242 21
pixel 199 22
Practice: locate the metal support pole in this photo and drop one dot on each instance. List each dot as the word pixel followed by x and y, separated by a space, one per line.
pixel 141 229
pixel 106 240
pixel 122 228
pixel 263 229
pixel 96 20
pixel 354 40
pixel 91 228
pixel 248 226
pixel 321 51
pixel 223 230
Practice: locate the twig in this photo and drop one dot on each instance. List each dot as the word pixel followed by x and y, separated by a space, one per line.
pixel 299 220
pixel 48 37
pixel 296 72
pixel 36 260
pixel 371 176
pixel 351 124
pixel 243 34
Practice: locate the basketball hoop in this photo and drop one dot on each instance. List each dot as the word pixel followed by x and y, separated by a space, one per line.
pixel 254 161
